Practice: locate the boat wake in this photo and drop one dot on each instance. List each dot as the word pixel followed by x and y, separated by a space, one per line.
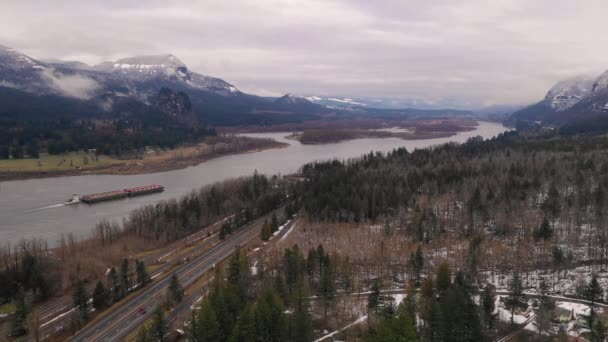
pixel 50 207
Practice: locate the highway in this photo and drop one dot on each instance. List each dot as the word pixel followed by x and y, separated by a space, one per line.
pixel 124 319
pixel 53 313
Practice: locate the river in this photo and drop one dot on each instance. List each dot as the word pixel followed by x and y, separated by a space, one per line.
pixel 33 208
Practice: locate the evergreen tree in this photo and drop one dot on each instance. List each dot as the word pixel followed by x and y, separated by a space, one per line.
pixel 373 299
pixel 100 296
pixel 301 326
pixel 270 317
pixel 346 275
pixel 176 292
pixel 125 278
pixel 19 317
pixel 274 222
pixel 544 311
pixel 327 289
pixel 516 299
pixel 204 325
pixel 488 303
pixel 81 300
pixel 159 328
pixel 144 335
pixel 545 231
pixel 114 285
pixel 417 263
pixel 444 278
pixel 142 275
pixel 593 292
pixel 244 329
pixel 598 331
pixel 266 231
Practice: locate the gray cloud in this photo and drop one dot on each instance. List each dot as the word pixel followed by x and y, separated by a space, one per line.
pixel 472 52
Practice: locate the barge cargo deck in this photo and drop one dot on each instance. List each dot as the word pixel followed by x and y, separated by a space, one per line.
pixel 123 193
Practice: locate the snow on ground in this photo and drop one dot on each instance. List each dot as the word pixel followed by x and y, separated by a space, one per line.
pixel 565 283
pixel 278 231
pixel 359 320
pixel 578 309
pixel 398 298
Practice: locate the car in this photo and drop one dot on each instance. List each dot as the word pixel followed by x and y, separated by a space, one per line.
pixel 142 310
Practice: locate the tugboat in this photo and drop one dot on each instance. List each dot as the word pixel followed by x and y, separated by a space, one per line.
pixel 74 200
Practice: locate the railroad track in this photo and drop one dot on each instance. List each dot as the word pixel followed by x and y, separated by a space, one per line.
pixel 125 318
pixel 54 313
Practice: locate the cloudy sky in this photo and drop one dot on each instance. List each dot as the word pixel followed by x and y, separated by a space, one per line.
pixel 465 52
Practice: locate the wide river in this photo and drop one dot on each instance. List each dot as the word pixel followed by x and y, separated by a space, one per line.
pixel 33 208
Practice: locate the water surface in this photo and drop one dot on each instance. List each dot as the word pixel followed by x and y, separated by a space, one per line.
pixel 33 208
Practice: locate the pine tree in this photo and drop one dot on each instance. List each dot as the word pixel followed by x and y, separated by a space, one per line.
pixel 266 231
pixel 444 278
pixel 159 328
pixel 544 311
pixel 327 289
pixel 205 325
pixel 593 292
pixel 417 263
pixel 274 222
pixel 81 300
pixel 144 335
pixel 244 329
pixel 544 232
pixel 270 317
pixel 302 321
pixel 100 296
pixel 516 299
pixel 114 285
pixel 598 331
pixel 19 317
pixel 176 292
pixel 142 275
pixel 125 278
pixel 488 303
pixel 373 299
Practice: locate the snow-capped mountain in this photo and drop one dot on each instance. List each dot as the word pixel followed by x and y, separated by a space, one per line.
pixel 116 87
pixel 337 102
pixel 20 71
pixel 567 93
pixel 569 100
pixel 138 76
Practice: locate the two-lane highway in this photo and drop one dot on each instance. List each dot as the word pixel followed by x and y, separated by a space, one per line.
pixel 124 319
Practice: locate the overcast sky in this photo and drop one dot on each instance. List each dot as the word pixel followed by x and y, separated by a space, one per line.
pixel 467 51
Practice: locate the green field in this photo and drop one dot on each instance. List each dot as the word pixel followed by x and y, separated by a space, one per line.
pixel 50 163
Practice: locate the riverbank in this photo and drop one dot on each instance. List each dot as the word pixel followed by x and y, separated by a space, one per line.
pixel 151 161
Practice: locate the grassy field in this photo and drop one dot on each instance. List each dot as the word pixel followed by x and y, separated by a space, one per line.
pixel 50 163
pixel 152 160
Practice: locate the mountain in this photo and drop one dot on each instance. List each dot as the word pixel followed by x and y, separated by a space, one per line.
pixel 570 100
pixel 114 88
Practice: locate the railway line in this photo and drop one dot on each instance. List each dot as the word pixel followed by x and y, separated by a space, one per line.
pixel 124 319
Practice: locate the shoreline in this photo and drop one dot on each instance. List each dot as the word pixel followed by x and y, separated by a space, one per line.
pixel 133 169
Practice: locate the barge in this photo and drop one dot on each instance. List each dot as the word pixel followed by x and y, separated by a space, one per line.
pixel 123 193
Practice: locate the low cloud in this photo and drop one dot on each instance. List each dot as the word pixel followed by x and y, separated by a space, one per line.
pixel 77 86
